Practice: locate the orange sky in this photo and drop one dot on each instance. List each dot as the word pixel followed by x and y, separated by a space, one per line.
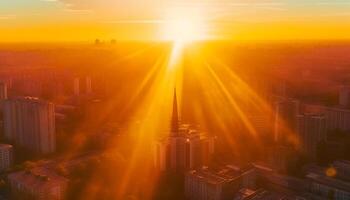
pixel 85 20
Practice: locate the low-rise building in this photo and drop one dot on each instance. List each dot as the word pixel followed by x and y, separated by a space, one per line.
pixel 328 187
pixel 37 184
pixel 342 169
pixel 261 194
pixel 217 184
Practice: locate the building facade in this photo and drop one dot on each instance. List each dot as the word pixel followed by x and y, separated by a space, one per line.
pixel 336 118
pixel 311 130
pixel 327 187
pixel 286 112
pixel 188 150
pixel 6 156
pixel 3 90
pixel 30 123
pixel 37 184
pixel 344 96
pixel 217 184
pixel 184 148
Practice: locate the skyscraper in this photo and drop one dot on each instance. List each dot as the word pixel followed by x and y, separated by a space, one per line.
pixel 3 90
pixel 30 123
pixel 88 87
pixel 286 112
pixel 175 117
pixel 82 86
pixel 76 86
pixel 344 96
pixel 311 130
pixel 184 148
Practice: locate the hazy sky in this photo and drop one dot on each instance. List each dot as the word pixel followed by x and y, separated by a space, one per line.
pixel 82 20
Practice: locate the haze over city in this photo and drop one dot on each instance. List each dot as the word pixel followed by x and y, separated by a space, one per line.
pixel 182 100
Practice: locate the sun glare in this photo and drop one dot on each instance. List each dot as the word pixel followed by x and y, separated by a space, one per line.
pixel 183 30
pixel 182 27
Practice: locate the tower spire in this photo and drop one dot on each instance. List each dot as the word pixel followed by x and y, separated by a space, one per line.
pixel 175 116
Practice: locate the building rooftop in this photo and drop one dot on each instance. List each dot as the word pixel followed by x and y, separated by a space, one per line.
pixel 217 175
pixel 5 146
pixel 313 115
pixel 29 99
pixel 261 194
pixel 38 178
pixel 332 182
pixel 317 108
pixel 342 163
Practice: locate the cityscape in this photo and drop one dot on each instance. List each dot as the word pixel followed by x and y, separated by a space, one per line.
pixel 174 100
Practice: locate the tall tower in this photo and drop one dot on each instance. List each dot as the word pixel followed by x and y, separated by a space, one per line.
pixel 175 117
pixel 184 148
pixel 76 86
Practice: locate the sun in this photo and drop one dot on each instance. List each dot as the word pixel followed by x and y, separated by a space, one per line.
pixel 183 30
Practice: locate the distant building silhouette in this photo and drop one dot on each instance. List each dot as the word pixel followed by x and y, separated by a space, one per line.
pixel 76 86
pixel 175 117
pixel 82 85
pixel 344 96
pixel 97 42
pixel 3 90
pixel 88 85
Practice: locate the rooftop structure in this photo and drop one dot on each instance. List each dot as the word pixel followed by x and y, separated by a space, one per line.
pixel 38 183
pixel 217 183
pixel 330 182
pixel 261 194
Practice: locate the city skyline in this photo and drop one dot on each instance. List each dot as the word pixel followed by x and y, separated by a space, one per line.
pixel 174 99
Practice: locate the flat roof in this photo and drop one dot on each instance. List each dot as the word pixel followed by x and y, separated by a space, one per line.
pixel 5 146
pixel 332 182
pixel 217 175
pixel 38 178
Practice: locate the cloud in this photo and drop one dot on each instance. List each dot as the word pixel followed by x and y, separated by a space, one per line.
pixel 78 11
pixel 333 3
pixel 141 21
pixel 213 9
pixel 5 17
pixel 116 8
